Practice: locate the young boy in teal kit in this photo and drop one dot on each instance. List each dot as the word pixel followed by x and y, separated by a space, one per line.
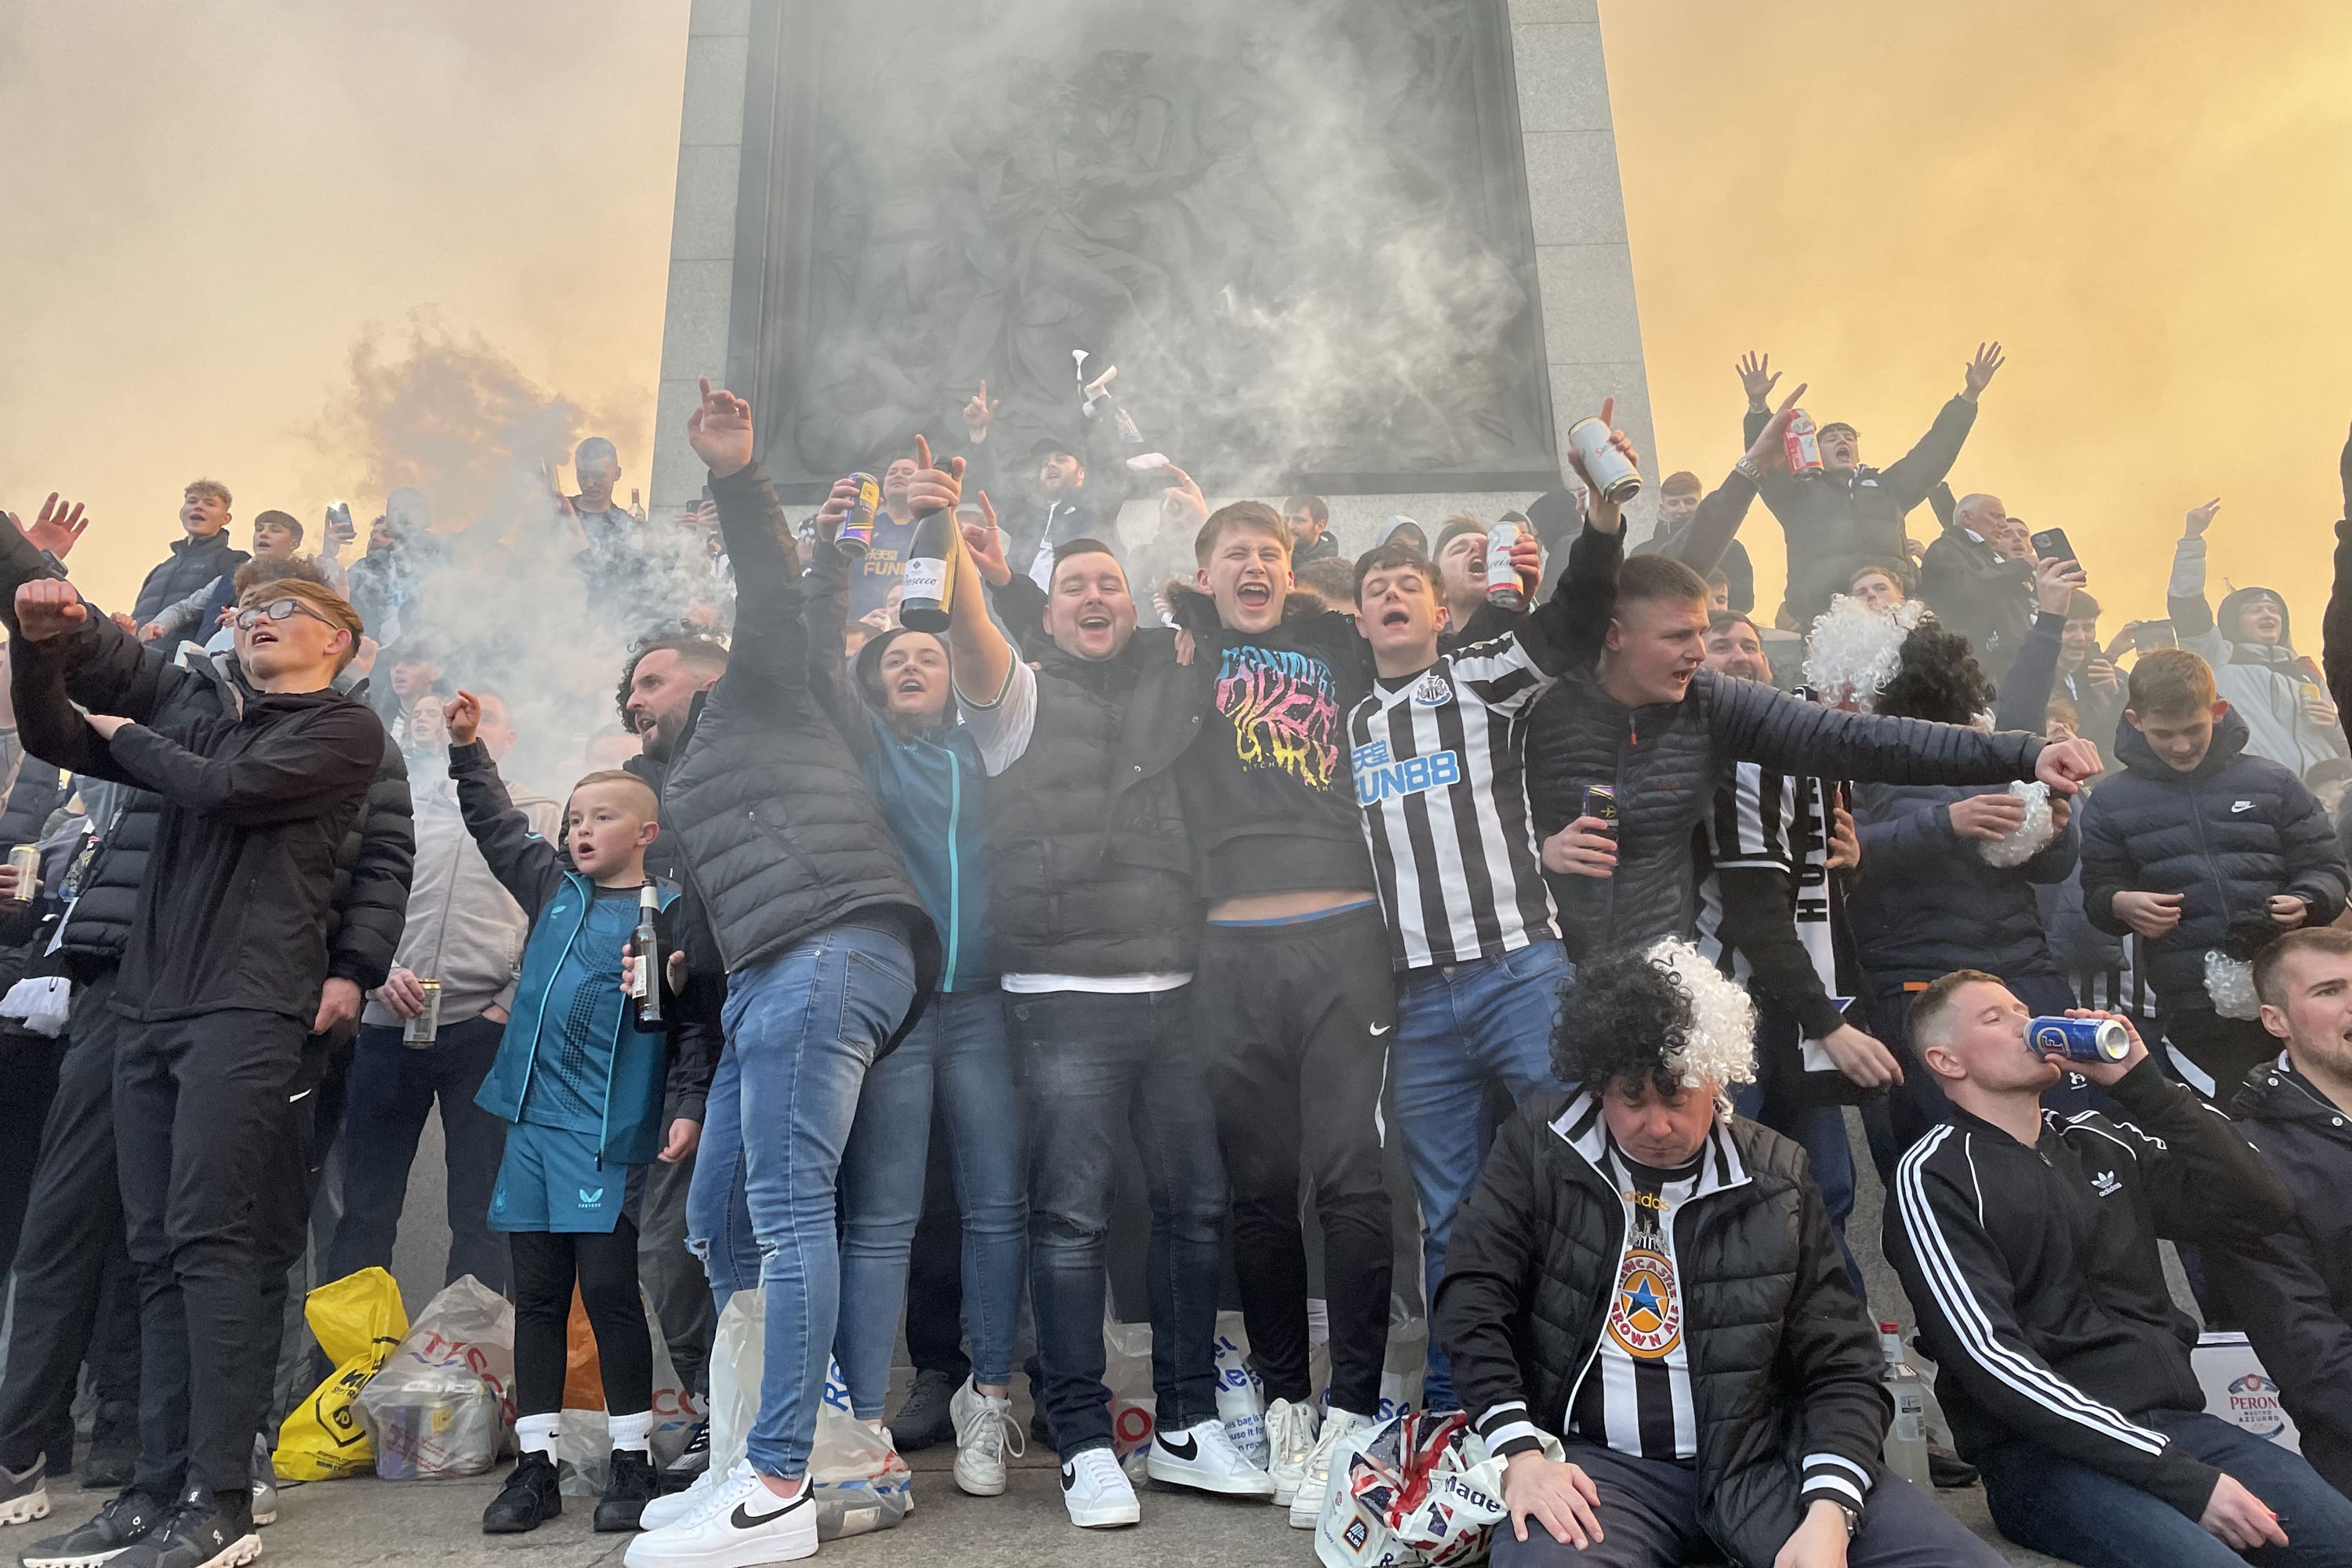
pixel 583 1082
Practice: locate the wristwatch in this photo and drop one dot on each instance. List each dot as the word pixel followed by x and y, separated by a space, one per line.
pixel 1853 1521
pixel 1746 465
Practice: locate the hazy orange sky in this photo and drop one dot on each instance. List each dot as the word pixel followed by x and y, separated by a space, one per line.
pixel 212 207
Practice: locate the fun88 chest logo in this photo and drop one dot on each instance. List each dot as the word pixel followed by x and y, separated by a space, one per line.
pixel 1379 776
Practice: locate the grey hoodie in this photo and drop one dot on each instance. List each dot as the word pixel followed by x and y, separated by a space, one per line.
pixel 464 929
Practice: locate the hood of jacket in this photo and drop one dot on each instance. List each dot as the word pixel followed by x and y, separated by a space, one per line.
pixel 2231 614
pixel 2230 738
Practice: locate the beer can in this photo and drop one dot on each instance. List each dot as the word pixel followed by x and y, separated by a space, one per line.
pixel 1600 802
pixel 856 535
pixel 2081 1039
pixel 1503 578
pixel 1804 447
pixel 425 1027
pixel 1611 472
pixel 27 861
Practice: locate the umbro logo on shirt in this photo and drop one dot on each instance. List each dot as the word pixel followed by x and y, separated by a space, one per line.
pixel 2105 1184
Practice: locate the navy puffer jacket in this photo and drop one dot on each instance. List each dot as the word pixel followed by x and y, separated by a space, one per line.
pixel 1927 902
pixel 2229 833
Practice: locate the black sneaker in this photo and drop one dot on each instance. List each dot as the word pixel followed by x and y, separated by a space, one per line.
pixel 113 1456
pixel 203 1530
pixel 123 1521
pixel 692 1461
pixel 633 1484
pixel 25 1497
pixel 925 1419
pixel 529 1499
pixel 1948 1470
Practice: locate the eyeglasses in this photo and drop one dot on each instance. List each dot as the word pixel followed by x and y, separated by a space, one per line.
pixel 277 610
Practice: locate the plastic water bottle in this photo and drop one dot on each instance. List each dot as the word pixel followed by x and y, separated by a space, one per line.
pixel 1906 1435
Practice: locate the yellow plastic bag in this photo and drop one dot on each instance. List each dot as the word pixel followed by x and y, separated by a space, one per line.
pixel 360 1322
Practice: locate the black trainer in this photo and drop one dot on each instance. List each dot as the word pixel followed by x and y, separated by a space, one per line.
pixel 924 1419
pixel 113 1456
pixel 692 1461
pixel 123 1521
pixel 25 1497
pixel 631 1485
pixel 1948 1470
pixel 203 1530
pixel 529 1499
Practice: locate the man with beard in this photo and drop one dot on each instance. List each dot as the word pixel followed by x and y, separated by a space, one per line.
pixel 1096 930
pixel 2289 715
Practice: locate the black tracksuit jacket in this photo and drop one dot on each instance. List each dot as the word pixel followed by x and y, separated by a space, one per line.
pixel 258 794
pixel 2035 1274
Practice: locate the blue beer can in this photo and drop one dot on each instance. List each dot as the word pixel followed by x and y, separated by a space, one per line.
pixel 2080 1039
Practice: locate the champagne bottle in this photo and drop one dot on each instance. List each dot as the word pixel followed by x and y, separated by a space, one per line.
pixel 648 986
pixel 930 574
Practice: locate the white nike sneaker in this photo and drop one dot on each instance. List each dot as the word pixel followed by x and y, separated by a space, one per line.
pixel 740 1524
pixel 1094 1489
pixel 1314 1476
pixel 1203 1457
pixel 671 1507
pixel 984 1431
pixel 1290 1432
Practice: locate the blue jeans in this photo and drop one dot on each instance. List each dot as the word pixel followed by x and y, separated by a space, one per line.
pixel 958 1046
pixel 1463 1032
pixel 392 1090
pixel 803 1028
pixel 1094 1069
pixel 2071 1510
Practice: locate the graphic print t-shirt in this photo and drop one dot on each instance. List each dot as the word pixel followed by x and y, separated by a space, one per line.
pixel 581 1020
pixel 1266 786
pixel 1636 1396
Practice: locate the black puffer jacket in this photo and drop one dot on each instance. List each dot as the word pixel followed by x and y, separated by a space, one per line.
pixel 775 823
pixel 1782 1362
pixel 1838 523
pixel 2230 835
pixel 2295 1294
pixel 369 906
pixel 1092 866
pixel 192 563
pixel 1667 760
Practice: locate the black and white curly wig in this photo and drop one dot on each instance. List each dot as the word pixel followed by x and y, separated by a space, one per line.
pixel 1662 1015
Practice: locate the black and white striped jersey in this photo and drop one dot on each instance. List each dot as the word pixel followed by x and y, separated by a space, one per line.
pixel 1760 818
pixel 1635 1396
pixel 1440 778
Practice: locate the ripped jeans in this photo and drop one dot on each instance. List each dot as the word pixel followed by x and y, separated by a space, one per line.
pixel 803 1027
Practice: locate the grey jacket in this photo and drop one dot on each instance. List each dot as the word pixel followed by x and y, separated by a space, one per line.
pixel 464 929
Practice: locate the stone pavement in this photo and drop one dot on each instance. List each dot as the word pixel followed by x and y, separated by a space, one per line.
pixel 360 1523
pixel 365 1523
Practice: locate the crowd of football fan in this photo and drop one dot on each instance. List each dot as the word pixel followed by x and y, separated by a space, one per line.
pixel 1036 940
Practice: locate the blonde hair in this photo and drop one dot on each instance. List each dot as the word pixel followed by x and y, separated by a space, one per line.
pixel 620 776
pixel 1240 517
pixel 332 607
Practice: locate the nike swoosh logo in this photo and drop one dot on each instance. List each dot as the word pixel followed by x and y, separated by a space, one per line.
pixel 1069 1477
pixel 1381 1028
pixel 744 1519
pixel 1188 1453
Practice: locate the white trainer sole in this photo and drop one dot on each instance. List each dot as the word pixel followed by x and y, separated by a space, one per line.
pixel 978 1485
pixel 245 1549
pixel 1105 1516
pixel 1303 1514
pixel 33 1505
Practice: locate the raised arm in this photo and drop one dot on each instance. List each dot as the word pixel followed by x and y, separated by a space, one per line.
pixel 1923 468
pixel 2184 595
pixel 1703 542
pixel 977 651
pixel 1755 723
pixel 526 865
pixel 2336 625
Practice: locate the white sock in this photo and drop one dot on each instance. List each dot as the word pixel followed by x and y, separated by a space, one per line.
pixel 535 1434
pixel 633 1431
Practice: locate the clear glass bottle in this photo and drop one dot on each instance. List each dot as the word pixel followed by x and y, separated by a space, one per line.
pixel 1906 1434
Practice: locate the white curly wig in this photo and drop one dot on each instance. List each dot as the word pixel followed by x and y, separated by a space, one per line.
pixel 1721 1047
pixel 1854 651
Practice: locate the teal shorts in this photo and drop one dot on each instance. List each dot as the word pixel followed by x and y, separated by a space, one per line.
pixel 550 1181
